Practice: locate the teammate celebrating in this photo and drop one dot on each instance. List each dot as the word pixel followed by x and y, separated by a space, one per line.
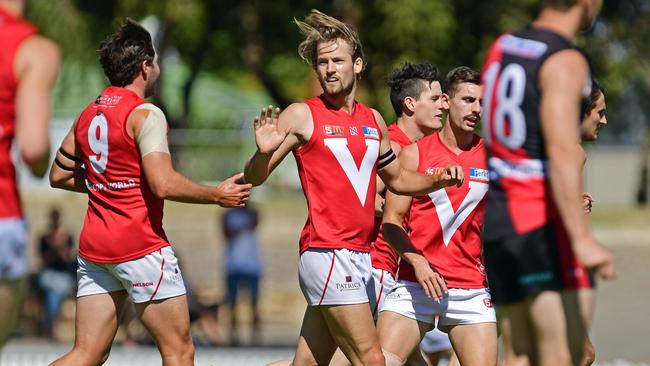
pixel 339 145
pixel 534 80
pixel 442 274
pixel 417 99
pixel 121 140
pixel 29 65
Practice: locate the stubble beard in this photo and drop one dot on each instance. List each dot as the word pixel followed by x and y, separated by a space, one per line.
pixel 151 89
pixel 337 90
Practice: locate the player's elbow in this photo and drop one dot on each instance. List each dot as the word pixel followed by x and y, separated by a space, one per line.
pixel 57 178
pixel 160 190
pixel 36 158
pixel 397 186
pixel 161 187
pixel 35 153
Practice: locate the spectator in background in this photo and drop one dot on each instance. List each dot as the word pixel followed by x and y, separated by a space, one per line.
pixel 58 275
pixel 243 263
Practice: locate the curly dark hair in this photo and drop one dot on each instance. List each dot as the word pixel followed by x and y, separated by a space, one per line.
pixel 410 80
pixel 459 75
pixel 588 104
pixel 122 53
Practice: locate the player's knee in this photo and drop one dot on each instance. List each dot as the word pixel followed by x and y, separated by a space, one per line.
pixel 392 359
pixel 83 356
pixel 185 350
pixel 177 349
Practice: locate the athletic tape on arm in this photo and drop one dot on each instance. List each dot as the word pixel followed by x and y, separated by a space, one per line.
pixel 153 134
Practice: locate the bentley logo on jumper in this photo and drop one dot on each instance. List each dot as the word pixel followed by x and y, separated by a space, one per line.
pixel 358 176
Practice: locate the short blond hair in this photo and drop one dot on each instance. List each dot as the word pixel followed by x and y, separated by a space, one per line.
pixel 319 27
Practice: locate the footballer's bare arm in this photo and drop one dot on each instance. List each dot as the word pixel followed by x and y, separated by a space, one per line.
pixel 409 182
pixel 276 134
pixel 148 126
pixel 67 171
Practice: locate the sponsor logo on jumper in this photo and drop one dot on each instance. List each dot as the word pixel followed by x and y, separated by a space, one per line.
pixel 370 132
pixel 479 174
pixel 348 278
pixel 481 268
pixel 330 130
pixel 354 131
pixel 110 186
pixel 434 170
pixel 522 47
pixel 108 100
pixel 142 284
pixel 487 302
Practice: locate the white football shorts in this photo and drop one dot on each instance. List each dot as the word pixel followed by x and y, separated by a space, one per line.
pixel 156 276
pixel 334 276
pixel 435 341
pixel 380 284
pixel 460 306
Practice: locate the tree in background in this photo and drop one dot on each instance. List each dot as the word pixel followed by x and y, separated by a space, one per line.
pixel 251 45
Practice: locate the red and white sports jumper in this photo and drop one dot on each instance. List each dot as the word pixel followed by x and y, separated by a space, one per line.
pixel 337 169
pixel 124 218
pixel 13 32
pixel 383 256
pixel 446 224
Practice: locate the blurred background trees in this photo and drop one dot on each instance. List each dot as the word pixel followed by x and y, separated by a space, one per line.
pixel 224 59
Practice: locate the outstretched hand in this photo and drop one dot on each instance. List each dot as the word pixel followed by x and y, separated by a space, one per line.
pixel 233 192
pixel 267 135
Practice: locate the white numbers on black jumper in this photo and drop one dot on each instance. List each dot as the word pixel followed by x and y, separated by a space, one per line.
pixel 98 143
pixel 359 177
pixel 451 220
pixel 510 89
